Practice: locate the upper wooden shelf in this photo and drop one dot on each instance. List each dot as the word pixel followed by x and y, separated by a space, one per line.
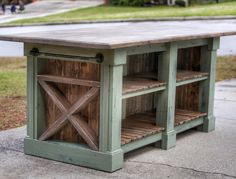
pixel 144 83
pixel 186 77
pixel 140 84
pixel 121 35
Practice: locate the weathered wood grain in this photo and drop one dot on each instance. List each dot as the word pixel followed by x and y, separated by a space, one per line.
pixel 76 120
pixel 139 68
pixel 137 83
pixel 188 65
pixel 120 35
pixel 77 70
pixel 68 112
pixel 184 116
pixel 138 126
pixel 66 80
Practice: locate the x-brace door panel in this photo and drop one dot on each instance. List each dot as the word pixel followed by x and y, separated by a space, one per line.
pixel 72 101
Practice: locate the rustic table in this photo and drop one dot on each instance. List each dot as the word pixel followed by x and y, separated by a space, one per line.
pixel 97 93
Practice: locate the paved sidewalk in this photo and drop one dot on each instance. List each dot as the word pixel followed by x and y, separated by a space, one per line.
pixel 197 155
pixel 48 7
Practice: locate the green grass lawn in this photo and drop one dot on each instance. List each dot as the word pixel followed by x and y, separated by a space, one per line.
pixel 226 68
pixel 12 92
pixel 12 77
pixel 110 12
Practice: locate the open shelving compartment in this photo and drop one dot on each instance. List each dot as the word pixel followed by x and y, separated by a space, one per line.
pixel 189 78
pixel 141 89
pixel 140 83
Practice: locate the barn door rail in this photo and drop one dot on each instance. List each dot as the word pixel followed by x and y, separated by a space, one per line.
pixel 98 58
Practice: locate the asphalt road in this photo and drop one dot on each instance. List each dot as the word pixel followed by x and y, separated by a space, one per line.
pixel 228 44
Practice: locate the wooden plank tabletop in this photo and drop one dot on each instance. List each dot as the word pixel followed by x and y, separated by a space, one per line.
pixel 121 35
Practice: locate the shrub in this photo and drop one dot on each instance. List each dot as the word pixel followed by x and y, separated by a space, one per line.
pixel 181 3
pixel 16 1
pixel 130 2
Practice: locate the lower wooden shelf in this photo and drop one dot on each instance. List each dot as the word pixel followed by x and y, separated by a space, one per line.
pixel 142 125
pixel 138 126
pixel 184 116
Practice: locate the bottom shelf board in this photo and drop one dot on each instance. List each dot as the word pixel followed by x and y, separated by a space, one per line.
pixel 184 116
pixel 138 126
pixel 142 125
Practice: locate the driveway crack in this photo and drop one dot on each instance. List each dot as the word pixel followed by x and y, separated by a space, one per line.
pixel 186 168
pixel 11 149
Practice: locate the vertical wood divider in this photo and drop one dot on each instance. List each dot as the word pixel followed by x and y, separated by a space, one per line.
pixel 39 104
pixel 165 113
pixel 111 105
pixel 125 72
pixel 30 97
pixel 207 87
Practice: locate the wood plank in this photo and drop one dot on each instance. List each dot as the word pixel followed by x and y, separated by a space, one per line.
pixel 78 70
pixel 66 80
pixel 81 126
pixel 111 101
pixel 30 97
pixel 167 70
pixel 183 116
pixel 122 35
pixel 140 82
pixel 186 75
pixel 74 154
pixel 207 88
pixel 134 128
pixel 142 142
pixel 138 126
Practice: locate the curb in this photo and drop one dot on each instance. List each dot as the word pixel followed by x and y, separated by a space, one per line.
pixel 194 18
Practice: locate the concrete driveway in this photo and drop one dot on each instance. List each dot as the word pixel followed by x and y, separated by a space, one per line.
pixel 48 7
pixel 197 155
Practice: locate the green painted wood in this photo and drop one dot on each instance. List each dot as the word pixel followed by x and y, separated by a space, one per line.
pixel 167 68
pixel 207 87
pixel 35 104
pixel 39 105
pixel 125 72
pixel 71 51
pixel 104 117
pixel 192 43
pixel 146 49
pixel 191 81
pixel 115 107
pixel 74 154
pixel 125 69
pixel 111 102
pixel 123 109
pixel 147 91
pixel 142 142
pixel 30 97
pixel 189 125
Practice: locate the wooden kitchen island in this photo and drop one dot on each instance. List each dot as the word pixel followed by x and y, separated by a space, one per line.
pixel 96 93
